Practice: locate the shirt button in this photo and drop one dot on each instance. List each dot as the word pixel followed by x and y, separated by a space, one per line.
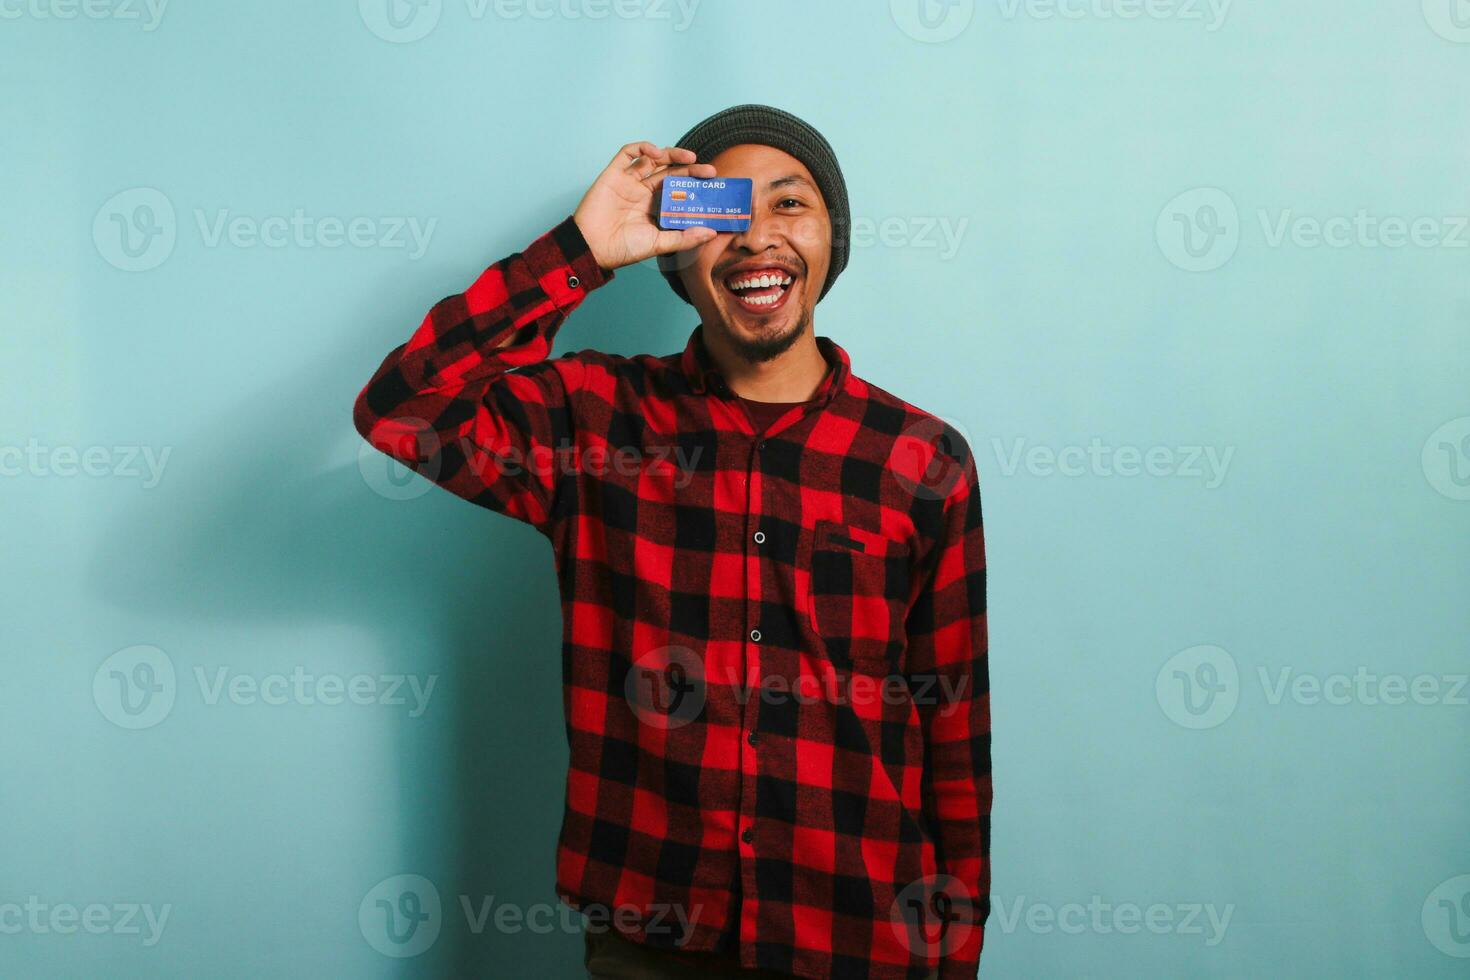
pixel 573 282
pixel 761 444
pixel 753 737
pixel 748 835
pixel 755 635
pixel 760 537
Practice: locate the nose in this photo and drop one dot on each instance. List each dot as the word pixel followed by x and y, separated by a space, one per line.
pixel 763 234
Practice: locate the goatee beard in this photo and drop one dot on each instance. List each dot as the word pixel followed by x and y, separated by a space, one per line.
pixel 767 348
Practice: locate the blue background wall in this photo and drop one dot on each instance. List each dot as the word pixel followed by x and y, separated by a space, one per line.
pixel 1229 702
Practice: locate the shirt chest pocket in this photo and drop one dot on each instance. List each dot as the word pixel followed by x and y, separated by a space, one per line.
pixel 857 595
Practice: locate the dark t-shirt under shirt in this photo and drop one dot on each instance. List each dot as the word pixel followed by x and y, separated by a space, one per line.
pixel 764 413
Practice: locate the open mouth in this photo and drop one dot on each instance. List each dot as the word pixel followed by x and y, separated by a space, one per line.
pixel 760 291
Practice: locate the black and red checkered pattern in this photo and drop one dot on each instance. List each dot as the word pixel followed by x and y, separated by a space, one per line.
pixel 774 647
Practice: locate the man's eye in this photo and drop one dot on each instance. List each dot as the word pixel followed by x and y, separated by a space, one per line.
pixel 789 202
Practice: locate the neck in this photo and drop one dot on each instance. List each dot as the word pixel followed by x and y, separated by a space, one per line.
pixel 792 376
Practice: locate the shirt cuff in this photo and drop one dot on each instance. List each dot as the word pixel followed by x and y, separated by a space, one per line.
pixel 563 264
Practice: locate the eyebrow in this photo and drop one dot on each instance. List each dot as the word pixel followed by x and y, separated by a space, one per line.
pixel 789 179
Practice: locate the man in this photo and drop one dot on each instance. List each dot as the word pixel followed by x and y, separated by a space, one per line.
pixel 772 577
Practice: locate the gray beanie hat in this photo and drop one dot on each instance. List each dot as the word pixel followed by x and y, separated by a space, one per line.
pixel 772 127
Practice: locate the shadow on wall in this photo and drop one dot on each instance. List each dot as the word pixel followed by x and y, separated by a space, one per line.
pixel 268 518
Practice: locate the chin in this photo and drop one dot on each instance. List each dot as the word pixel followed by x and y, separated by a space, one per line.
pixel 766 338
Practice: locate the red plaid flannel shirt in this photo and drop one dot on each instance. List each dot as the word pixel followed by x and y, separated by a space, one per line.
pixel 774 645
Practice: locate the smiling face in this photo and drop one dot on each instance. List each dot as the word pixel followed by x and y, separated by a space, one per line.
pixel 758 287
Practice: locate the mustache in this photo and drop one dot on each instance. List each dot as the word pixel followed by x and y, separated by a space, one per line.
pixel 792 261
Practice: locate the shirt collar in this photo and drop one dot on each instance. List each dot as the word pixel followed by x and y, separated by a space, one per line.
pixel 704 375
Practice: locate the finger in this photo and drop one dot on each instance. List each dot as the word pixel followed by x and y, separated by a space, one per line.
pixel 678 241
pixel 648 164
pixel 651 162
pixel 628 156
pixel 668 155
pixel 646 159
pixel 703 171
pixel 630 153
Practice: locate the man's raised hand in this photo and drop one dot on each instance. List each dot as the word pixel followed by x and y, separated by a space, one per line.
pixel 618 214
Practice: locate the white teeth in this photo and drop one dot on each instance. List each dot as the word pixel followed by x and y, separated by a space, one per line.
pixel 762 282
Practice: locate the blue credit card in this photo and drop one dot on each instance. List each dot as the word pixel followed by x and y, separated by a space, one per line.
pixel 721 203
